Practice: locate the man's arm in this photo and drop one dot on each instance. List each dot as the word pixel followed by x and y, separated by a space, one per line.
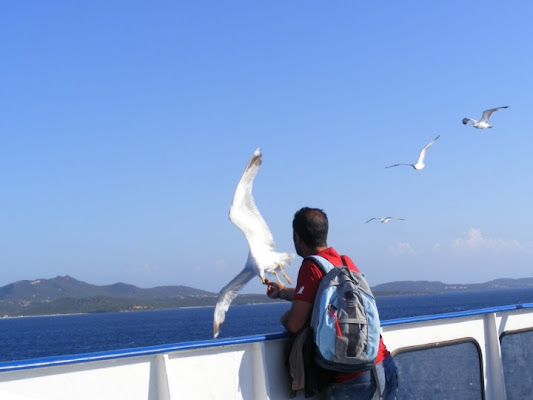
pixel 296 318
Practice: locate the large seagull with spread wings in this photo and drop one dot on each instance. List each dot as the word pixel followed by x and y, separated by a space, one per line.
pixel 262 257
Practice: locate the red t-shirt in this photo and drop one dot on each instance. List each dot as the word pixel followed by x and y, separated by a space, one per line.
pixel 309 277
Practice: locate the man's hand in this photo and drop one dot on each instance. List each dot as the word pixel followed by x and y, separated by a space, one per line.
pixel 274 289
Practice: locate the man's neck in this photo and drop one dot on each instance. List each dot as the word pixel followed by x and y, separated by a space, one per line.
pixel 310 251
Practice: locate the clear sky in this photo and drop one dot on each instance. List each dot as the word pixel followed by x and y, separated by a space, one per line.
pixel 125 127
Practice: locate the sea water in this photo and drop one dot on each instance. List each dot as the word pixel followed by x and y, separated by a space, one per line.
pixel 33 337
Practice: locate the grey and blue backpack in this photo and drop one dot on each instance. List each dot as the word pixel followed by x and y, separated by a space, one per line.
pixel 344 321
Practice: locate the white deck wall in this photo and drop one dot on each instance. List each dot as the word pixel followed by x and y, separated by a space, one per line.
pixel 251 370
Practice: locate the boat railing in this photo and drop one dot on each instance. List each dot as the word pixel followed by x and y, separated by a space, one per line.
pixel 466 354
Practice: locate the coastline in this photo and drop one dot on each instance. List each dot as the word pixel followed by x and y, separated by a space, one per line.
pixel 135 310
pixel 122 305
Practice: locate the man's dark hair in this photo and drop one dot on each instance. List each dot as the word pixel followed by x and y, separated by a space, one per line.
pixel 311 225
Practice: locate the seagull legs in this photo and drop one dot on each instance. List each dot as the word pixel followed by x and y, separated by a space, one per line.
pixel 265 281
pixel 284 275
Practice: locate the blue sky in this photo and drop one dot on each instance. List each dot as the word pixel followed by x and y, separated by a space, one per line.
pixel 125 126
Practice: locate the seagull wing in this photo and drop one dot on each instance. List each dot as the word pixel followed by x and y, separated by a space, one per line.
pixel 395 165
pixel 425 149
pixel 465 120
pixel 226 296
pixel 243 211
pixel 371 219
pixel 488 113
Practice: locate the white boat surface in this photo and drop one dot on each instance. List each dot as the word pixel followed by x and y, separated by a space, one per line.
pixel 483 354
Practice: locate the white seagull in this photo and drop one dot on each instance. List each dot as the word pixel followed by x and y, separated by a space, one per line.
pixel 262 257
pixel 420 163
pixel 484 123
pixel 384 220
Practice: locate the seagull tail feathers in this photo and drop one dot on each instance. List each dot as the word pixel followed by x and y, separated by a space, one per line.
pixel 285 259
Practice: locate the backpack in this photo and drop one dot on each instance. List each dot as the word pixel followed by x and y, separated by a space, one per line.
pixel 344 321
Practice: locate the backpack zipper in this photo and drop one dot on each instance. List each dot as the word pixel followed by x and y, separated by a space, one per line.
pixel 331 311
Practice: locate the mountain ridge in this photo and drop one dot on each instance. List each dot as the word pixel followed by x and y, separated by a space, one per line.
pixel 67 286
pixel 65 294
pixel 440 287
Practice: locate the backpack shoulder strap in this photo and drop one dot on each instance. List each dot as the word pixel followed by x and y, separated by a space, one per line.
pixel 344 261
pixel 323 263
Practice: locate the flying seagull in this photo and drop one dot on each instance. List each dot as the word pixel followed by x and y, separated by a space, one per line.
pixel 384 220
pixel 484 123
pixel 420 163
pixel 262 257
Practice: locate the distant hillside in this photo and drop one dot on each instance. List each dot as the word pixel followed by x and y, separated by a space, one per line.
pixel 65 295
pixel 407 287
pixel 66 286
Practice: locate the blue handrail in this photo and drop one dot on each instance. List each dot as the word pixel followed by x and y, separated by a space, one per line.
pixel 455 314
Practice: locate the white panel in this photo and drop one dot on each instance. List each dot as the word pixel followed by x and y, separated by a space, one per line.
pixel 222 374
pixel 97 380
pixel 421 333
pixel 520 319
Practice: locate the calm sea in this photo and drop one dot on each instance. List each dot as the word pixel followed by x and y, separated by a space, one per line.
pixel 33 337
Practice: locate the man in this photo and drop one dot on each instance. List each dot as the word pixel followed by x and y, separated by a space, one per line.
pixel 310 232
